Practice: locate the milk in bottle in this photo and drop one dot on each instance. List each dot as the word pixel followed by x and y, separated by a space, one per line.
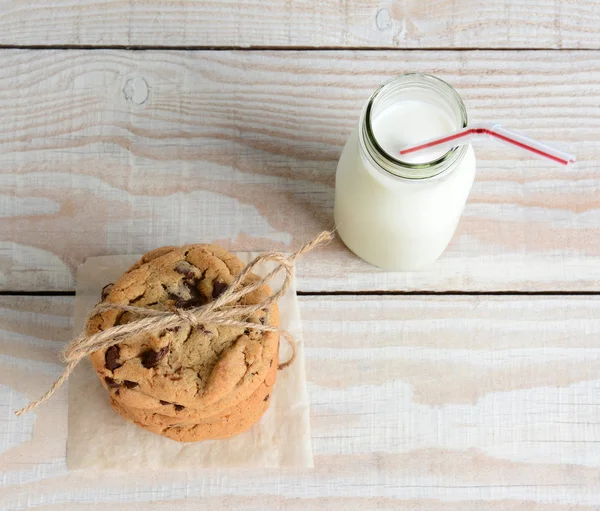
pixel 400 214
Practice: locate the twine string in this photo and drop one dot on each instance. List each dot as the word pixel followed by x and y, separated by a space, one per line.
pixel 225 310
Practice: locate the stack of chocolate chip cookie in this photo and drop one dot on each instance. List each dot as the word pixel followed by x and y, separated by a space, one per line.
pixel 187 383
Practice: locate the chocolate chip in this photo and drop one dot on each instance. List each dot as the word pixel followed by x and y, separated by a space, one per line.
pixel 164 403
pixel 185 269
pixel 106 290
pixel 191 286
pixel 191 303
pixel 262 320
pixel 111 383
pixel 174 329
pixel 131 384
pixel 218 288
pixel 151 358
pixel 247 331
pixel 118 391
pixel 266 397
pixel 178 408
pixel 111 357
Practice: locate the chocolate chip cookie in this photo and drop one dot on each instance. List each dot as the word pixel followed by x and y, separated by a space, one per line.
pixel 225 424
pixel 198 371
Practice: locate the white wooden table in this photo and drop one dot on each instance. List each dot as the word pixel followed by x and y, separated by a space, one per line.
pixel 475 385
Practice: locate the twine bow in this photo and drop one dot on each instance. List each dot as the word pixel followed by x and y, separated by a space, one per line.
pixel 222 311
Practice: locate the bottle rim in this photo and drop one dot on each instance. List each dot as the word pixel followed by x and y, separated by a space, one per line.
pixel 392 166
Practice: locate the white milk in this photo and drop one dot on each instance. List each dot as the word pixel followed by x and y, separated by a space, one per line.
pixel 409 122
pixel 396 216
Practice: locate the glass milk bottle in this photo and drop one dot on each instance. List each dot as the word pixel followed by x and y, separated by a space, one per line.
pixel 401 214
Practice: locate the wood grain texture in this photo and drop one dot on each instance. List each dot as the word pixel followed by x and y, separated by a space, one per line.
pixel 430 403
pixel 110 152
pixel 352 23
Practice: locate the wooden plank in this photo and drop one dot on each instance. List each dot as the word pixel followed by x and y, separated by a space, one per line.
pixel 109 152
pixel 304 23
pixel 433 403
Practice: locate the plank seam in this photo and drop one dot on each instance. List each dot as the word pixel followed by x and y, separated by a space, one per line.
pixel 279 48
pixel 366 293
pixel 448 293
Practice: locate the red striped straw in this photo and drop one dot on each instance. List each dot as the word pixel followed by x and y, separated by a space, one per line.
pixel 497 132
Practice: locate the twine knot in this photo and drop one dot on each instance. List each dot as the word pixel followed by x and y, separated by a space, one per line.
pixel 225 310
pixel 187 317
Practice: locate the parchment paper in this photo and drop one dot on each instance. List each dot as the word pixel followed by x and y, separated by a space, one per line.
pixel 99 438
